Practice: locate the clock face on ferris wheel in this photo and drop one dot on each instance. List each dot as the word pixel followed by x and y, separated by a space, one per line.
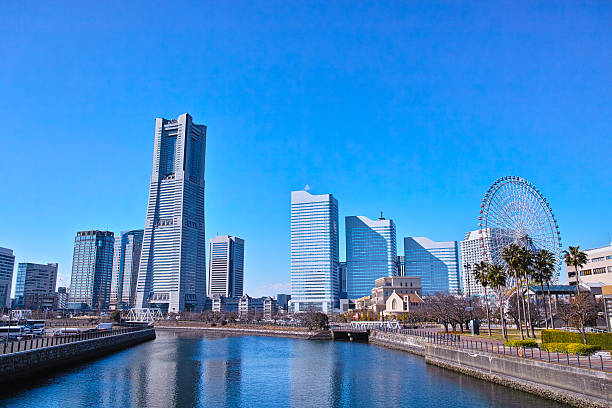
pixel 514 211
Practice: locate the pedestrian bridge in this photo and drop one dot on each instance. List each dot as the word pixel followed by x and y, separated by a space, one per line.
pixel 359 331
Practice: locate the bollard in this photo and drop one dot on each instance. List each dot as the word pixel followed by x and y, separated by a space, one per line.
pixel 578 357
pixel 601 361
pixel 567 356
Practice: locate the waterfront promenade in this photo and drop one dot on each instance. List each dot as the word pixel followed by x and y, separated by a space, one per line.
pixel 565 382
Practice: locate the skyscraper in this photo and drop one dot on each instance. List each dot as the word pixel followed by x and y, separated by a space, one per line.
pixel 437 263
pixel 33 282
pixel 7 265
pixel 314 252
pixel 172 272
pixel 474 249
pixel 226 269
pixel 371 253
pixel 126 260
pixel 92 268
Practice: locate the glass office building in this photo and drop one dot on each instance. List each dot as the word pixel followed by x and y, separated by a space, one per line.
pixel 370 253
pixel 226 266
pixel 314 252
pixel 7 266
pixel 437 263
pixel 126 260
pixel 92 268
pixel 34 281
pixel 172 273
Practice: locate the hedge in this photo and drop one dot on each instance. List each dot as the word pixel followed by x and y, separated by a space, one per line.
pixel 603 340
pixel 522 343
pixel 572 348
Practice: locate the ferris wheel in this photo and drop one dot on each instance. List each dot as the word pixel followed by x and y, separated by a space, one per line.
pixel 514 211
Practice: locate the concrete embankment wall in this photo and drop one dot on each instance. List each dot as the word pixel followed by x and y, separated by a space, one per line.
pixel 310 335
pixel 411 344
pixel 575 386
pixel 26 363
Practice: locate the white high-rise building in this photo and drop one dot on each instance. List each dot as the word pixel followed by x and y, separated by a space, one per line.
pixel 371 253
pixel 314 252
pixel 473 250
pixel 172 272
pixel 226 266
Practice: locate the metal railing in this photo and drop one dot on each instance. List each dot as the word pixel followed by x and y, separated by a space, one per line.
pixel 596 361
pixel 16 346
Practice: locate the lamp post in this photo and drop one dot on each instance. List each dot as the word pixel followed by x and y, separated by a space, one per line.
pixel 470 308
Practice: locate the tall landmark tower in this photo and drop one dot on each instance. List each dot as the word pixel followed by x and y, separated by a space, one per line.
pixel 172 272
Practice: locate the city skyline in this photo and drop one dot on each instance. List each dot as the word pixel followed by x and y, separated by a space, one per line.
pixel 446 120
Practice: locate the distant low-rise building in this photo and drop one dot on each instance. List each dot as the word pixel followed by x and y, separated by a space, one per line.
pixel 398 304
pixel 386 286
pixel 224 304
pixel 598 268
pixel 270 307
pixel 249 307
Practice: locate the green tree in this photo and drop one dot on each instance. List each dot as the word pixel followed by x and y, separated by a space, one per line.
pixel 497 279
pixel 527 269
pixel 116 316
pixel 544 267
pixel 481 275
pixel 576 258
pixel 320 321
pixel 512 257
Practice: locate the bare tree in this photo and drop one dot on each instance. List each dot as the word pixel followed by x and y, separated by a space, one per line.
pixel 580 312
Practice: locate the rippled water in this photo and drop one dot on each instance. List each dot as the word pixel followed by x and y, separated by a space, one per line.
pixel 189 369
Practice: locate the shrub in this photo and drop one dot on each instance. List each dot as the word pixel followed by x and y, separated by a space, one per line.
pixel 558 347
pixel 603 340
pixel 522 343
pixel 582 349
pixel 572 348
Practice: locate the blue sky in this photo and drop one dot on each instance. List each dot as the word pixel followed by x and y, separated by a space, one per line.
pixel 411 108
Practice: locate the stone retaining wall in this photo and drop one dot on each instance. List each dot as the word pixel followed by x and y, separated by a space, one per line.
pixel 579 387
pixel 310 335
pixel 26 363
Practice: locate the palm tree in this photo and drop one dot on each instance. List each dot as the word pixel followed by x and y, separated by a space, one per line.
pixel 481 275
pixel 544 264
pixel 497 279
pixel 511 255
pixel 526 267
pixel 576 258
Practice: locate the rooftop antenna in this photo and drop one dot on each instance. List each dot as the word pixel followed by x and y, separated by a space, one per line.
pixel 381 216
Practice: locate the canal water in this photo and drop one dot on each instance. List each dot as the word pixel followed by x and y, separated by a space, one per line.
pixel 190 369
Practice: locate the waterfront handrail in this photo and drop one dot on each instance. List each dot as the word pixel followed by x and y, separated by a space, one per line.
pixel 10 347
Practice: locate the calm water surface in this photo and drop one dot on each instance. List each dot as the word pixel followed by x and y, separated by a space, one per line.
pixel 187 369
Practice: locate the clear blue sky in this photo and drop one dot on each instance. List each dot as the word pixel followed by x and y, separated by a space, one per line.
pixel 413 109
